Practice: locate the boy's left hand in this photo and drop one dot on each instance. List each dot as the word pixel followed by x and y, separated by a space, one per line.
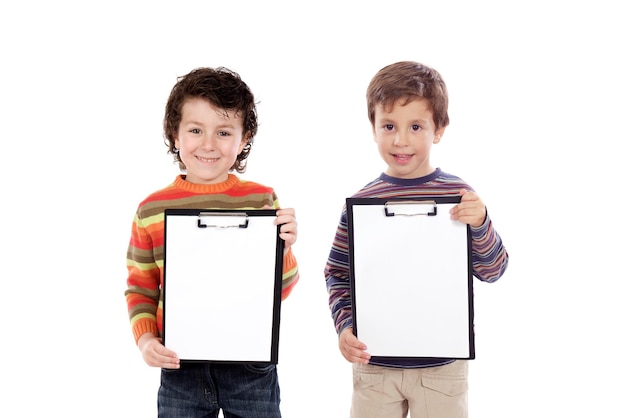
pixel 471 210
pixel 286 218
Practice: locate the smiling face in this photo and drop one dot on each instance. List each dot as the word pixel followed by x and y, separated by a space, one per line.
pixel 209 140
pixel 404 134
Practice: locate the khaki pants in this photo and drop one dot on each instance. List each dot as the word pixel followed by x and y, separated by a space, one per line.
pixel 431 392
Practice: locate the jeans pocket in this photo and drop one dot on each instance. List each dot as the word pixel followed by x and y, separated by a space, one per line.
pixel 260 368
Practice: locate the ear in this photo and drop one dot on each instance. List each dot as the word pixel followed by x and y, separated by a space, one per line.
pixel 176 142
pixel 438 134
pixel 244 141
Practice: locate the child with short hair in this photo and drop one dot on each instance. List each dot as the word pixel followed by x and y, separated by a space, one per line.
pixel 209 127
pixel 407 104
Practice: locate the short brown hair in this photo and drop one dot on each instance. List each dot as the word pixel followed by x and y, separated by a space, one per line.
pixel 222 88
pixel 406 81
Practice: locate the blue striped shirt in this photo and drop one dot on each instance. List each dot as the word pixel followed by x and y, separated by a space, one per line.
pixel 489 256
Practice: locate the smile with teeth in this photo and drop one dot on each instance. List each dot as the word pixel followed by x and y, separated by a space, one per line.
pixel 402 157
pixel 206 160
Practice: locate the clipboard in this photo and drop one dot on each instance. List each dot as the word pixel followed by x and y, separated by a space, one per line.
pixel 411 277
pixel 222 285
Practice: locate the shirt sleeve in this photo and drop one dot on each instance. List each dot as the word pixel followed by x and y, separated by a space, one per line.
pixel 337 274
pixel 489 256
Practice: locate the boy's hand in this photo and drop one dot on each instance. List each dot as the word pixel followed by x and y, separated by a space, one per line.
pixel 351 348
pixel 155 354
pixel 471 210
pixel 286 218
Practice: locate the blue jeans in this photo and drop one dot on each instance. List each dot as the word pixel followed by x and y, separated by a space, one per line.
pixel 202 389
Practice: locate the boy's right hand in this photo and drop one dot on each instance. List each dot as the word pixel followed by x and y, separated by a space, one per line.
pixel 155 354
pixel 351 348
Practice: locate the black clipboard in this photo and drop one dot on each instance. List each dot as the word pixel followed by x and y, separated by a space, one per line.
pixel 411 277
pixel 222 285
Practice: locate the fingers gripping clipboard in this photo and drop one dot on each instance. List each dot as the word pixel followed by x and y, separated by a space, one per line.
pixel 411 277
pixel 222 285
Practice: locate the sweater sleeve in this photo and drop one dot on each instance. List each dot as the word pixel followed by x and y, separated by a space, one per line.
pixel 143 282
pixel 489 256
pixel 291 274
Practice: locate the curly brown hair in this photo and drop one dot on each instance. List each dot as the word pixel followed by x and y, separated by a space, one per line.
pixel 221 87
pixel 406 81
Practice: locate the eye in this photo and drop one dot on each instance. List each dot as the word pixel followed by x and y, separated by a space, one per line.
pixel 416 127
pixel 195 131
pixel 223 133
pixel 388 127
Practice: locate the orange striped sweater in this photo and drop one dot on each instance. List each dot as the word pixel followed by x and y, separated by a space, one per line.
pixel 146 248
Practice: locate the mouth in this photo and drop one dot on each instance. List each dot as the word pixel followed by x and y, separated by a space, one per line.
pixel 206 160
pixel 402 157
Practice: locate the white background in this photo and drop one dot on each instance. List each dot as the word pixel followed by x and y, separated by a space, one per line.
pixel 537 113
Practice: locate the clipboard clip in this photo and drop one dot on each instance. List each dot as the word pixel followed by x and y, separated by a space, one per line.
pixel 222 220
pixel 411 208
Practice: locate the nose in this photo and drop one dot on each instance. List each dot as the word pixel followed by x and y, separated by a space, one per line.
pixel 399 139
pixel 208 142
